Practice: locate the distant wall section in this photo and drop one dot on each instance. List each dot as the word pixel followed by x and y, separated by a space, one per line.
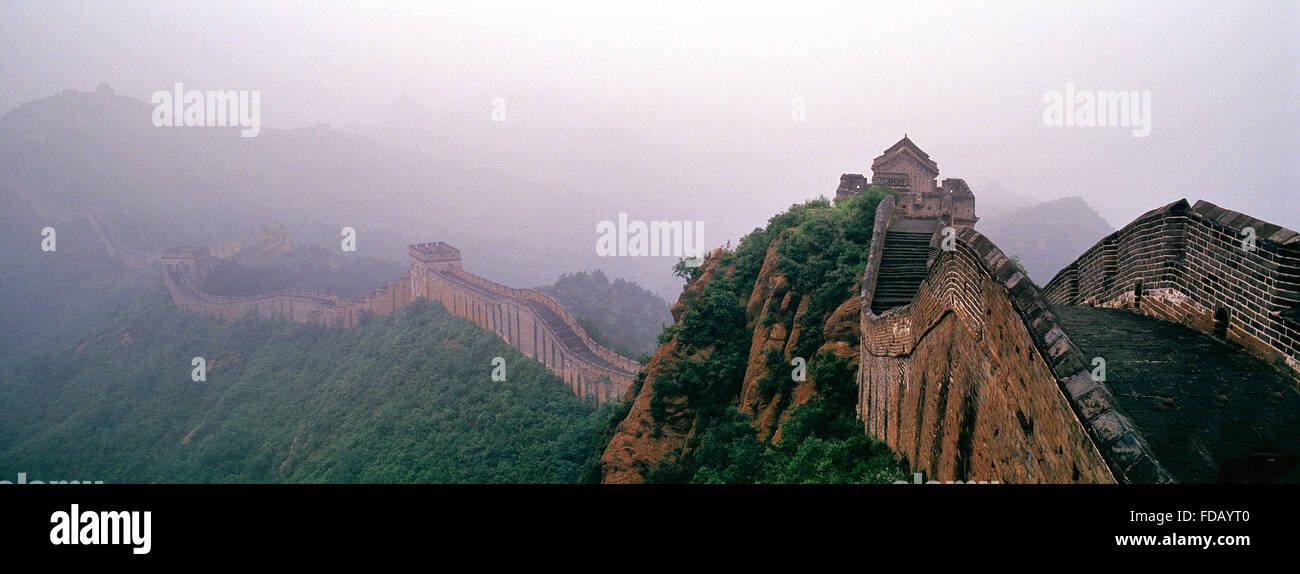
pixel 526 319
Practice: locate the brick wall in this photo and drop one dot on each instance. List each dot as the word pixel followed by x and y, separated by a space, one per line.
pixel 884 213
pixel 438 277
pixel 919 179
pixel 298 305
pixel 975 380
pixel 1186 264
pixel 508 313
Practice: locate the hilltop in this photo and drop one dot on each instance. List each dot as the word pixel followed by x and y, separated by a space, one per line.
pixel 723 400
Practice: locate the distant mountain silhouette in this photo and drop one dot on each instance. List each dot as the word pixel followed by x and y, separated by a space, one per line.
pixel 1048 236
pixel 164 186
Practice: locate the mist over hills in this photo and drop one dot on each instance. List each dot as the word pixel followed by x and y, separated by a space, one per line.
pixel 1048 236
pixel 99 152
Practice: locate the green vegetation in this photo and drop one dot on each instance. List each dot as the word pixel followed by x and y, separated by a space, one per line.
pixel 407 397
pixel 50 300
pixel 619 315
pixel 821 442
pixel 96 375
pixel 95 385
pixel 822 251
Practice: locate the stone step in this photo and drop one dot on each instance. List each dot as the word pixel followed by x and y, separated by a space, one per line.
pixel 902 269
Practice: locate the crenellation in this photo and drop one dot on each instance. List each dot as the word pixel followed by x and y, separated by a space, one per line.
pixel 977 356
pixel 542 329
pixel 1190 261
pixel 905 168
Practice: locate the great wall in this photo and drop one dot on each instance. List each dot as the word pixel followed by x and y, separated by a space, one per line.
pixel 972 373
pixel 967 368
pixel 528 320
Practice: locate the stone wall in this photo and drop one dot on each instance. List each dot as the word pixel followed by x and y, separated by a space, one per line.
pixel 298 305
pixel 517 315
pixel 1187 264
pixel 880 226
pixel 975 380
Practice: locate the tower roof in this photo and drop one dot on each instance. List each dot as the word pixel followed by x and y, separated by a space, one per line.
pixel 906 147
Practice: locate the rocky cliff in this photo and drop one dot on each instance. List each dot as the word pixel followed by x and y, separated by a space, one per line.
pixel 764 344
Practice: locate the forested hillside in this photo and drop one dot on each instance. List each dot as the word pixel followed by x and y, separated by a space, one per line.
pixel 619 315
pixel 95 381
pixel 406 397
pixel 755 382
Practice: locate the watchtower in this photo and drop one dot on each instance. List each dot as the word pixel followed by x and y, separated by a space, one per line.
pixel 436 256
pixel 909 170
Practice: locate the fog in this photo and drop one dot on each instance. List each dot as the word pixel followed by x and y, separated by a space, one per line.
pixel 726 112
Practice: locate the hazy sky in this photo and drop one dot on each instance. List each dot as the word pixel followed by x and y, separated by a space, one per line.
pixel 709 88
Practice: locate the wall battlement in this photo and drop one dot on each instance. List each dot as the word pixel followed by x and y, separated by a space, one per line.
pixel 976 380
pixel 980 377
pixel 971 372
pixel 907 169
pixel 437 254
pixel 526 319
pixel 1187 264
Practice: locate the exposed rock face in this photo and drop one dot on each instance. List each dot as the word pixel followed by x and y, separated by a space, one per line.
pixel 771 295
pixel 642 443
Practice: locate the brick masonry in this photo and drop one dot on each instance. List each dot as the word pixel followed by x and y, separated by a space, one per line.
pixel 1210 411
pixel 976 380
pixel 979 378
pixel 526 319
pixel 1187 264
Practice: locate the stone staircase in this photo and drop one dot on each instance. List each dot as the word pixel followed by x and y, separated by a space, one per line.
pixel 567 336
pixel 902 268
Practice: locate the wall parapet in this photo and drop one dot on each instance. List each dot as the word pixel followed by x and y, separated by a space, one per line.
pixel 525 294
pixel 884 214
pixel 1189 265
pixel 564 347
pixel 976 283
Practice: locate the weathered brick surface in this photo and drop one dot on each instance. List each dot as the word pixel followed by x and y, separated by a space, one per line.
pixel 1203 406
pixel 1180 407
pixel 526 319
pixel 964 382
pixel 1187 264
